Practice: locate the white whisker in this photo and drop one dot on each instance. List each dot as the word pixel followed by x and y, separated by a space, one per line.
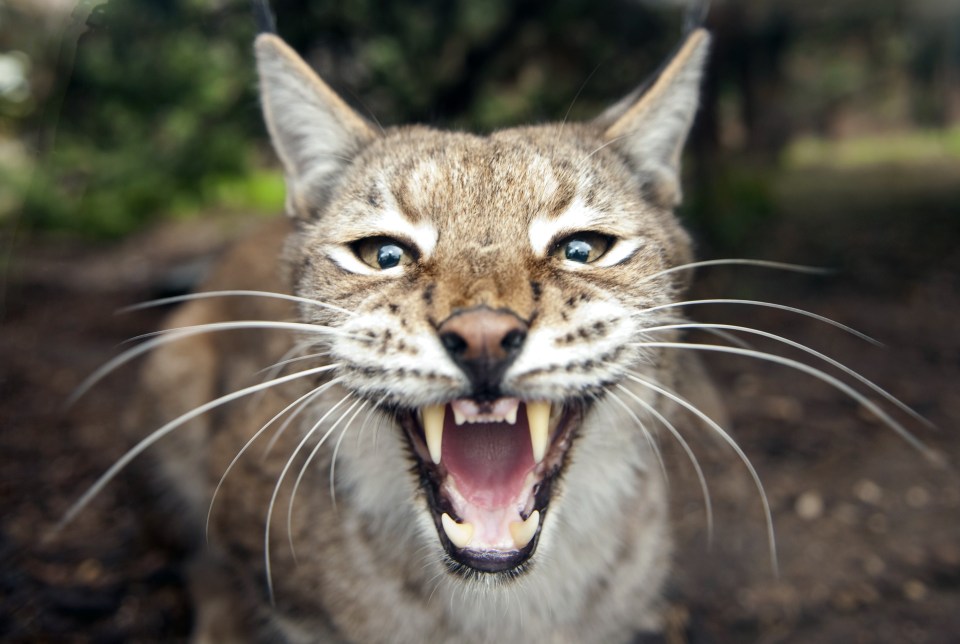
pixel 573 102
pixel 771 305
pixel 276 491
pixel 276 369
pixel 336 450
pixel 172 335
pixel 686 404
pixel 646 434
pixel 315 329
pixel 236 293
pixel 704 488
pixel 723 335
pixel 795 268
pixel 610 142
pixel 819 375
pixel 366 419
pixel 290 360
pixel 286 423
pixel 303 470
pixel 156 435
pixel 303 401
pixel 802 347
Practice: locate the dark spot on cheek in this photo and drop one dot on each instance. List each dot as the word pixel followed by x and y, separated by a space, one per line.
pixel 571 302
pixel 536 289
pixel 394 308
pixel 428 293
pixel 373 198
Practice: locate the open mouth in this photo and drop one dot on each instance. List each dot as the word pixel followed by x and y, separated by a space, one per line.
pixel 488 469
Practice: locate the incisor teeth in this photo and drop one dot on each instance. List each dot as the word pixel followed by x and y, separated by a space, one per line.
pixel 460 533
pixel 523 531
pixel 458 417
pixel 433 429
pixel 538 415
pixel 511 416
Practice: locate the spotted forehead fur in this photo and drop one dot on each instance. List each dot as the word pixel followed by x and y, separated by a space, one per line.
pixel 492 187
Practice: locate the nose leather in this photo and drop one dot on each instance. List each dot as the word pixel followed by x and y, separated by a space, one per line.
pixel 483 343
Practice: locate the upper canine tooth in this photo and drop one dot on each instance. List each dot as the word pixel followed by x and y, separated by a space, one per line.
pixel 433 429
pixel 523 531
pixel 458 533
pixel 538 415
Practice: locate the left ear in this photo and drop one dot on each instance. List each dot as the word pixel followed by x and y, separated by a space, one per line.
pixel 651 124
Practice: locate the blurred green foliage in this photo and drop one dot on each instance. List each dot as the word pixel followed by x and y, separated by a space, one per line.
pixel 158 107
pixel 157 114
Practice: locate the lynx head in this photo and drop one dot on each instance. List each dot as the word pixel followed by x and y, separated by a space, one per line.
pixel 489 292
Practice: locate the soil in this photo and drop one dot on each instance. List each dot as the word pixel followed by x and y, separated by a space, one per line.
pixel 867 526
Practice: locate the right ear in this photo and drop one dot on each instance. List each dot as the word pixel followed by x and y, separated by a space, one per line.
pixel 651 124
pixel 316 135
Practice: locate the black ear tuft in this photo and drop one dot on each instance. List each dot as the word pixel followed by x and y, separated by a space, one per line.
pixel 696 15
pixel 263 17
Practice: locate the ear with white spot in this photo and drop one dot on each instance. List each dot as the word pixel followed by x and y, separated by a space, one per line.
pixel 651 124
pixel 314 132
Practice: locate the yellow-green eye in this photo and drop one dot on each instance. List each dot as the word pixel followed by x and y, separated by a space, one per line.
pixel 383 252
pixel 583 248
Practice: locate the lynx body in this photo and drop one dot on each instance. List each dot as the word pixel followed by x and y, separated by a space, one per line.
pixel 469 436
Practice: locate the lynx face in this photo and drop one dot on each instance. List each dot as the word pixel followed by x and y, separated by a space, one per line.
pixel 486 292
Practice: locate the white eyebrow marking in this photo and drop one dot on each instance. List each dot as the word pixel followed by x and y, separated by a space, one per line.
pixel 578 216
pixel 392 223
pixel 389 222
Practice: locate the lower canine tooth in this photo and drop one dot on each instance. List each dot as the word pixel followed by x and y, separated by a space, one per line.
pixel 538 415
pixel 523 531
pixel 433 429
pixel 458 533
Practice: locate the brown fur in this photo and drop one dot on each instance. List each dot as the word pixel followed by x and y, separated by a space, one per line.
pixel 369 567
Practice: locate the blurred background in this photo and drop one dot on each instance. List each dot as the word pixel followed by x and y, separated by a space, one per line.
pixel 132 151
pixel 115 114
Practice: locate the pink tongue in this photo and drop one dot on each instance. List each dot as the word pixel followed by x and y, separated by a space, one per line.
pixel 488 461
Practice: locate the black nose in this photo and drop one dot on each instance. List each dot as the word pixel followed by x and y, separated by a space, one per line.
pixel 483 343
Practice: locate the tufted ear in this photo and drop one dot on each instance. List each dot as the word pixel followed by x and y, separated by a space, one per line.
pixel 316 135
pixel 651 124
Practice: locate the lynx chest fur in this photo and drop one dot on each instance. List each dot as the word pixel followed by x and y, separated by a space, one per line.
pixel 472 344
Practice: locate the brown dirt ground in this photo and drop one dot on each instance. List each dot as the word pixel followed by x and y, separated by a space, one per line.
pixel 868 530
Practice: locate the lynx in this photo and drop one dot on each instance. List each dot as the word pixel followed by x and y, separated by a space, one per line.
pixel 475 339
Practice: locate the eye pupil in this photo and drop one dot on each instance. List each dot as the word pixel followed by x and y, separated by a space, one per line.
pixel 389 255
pixel 578 250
